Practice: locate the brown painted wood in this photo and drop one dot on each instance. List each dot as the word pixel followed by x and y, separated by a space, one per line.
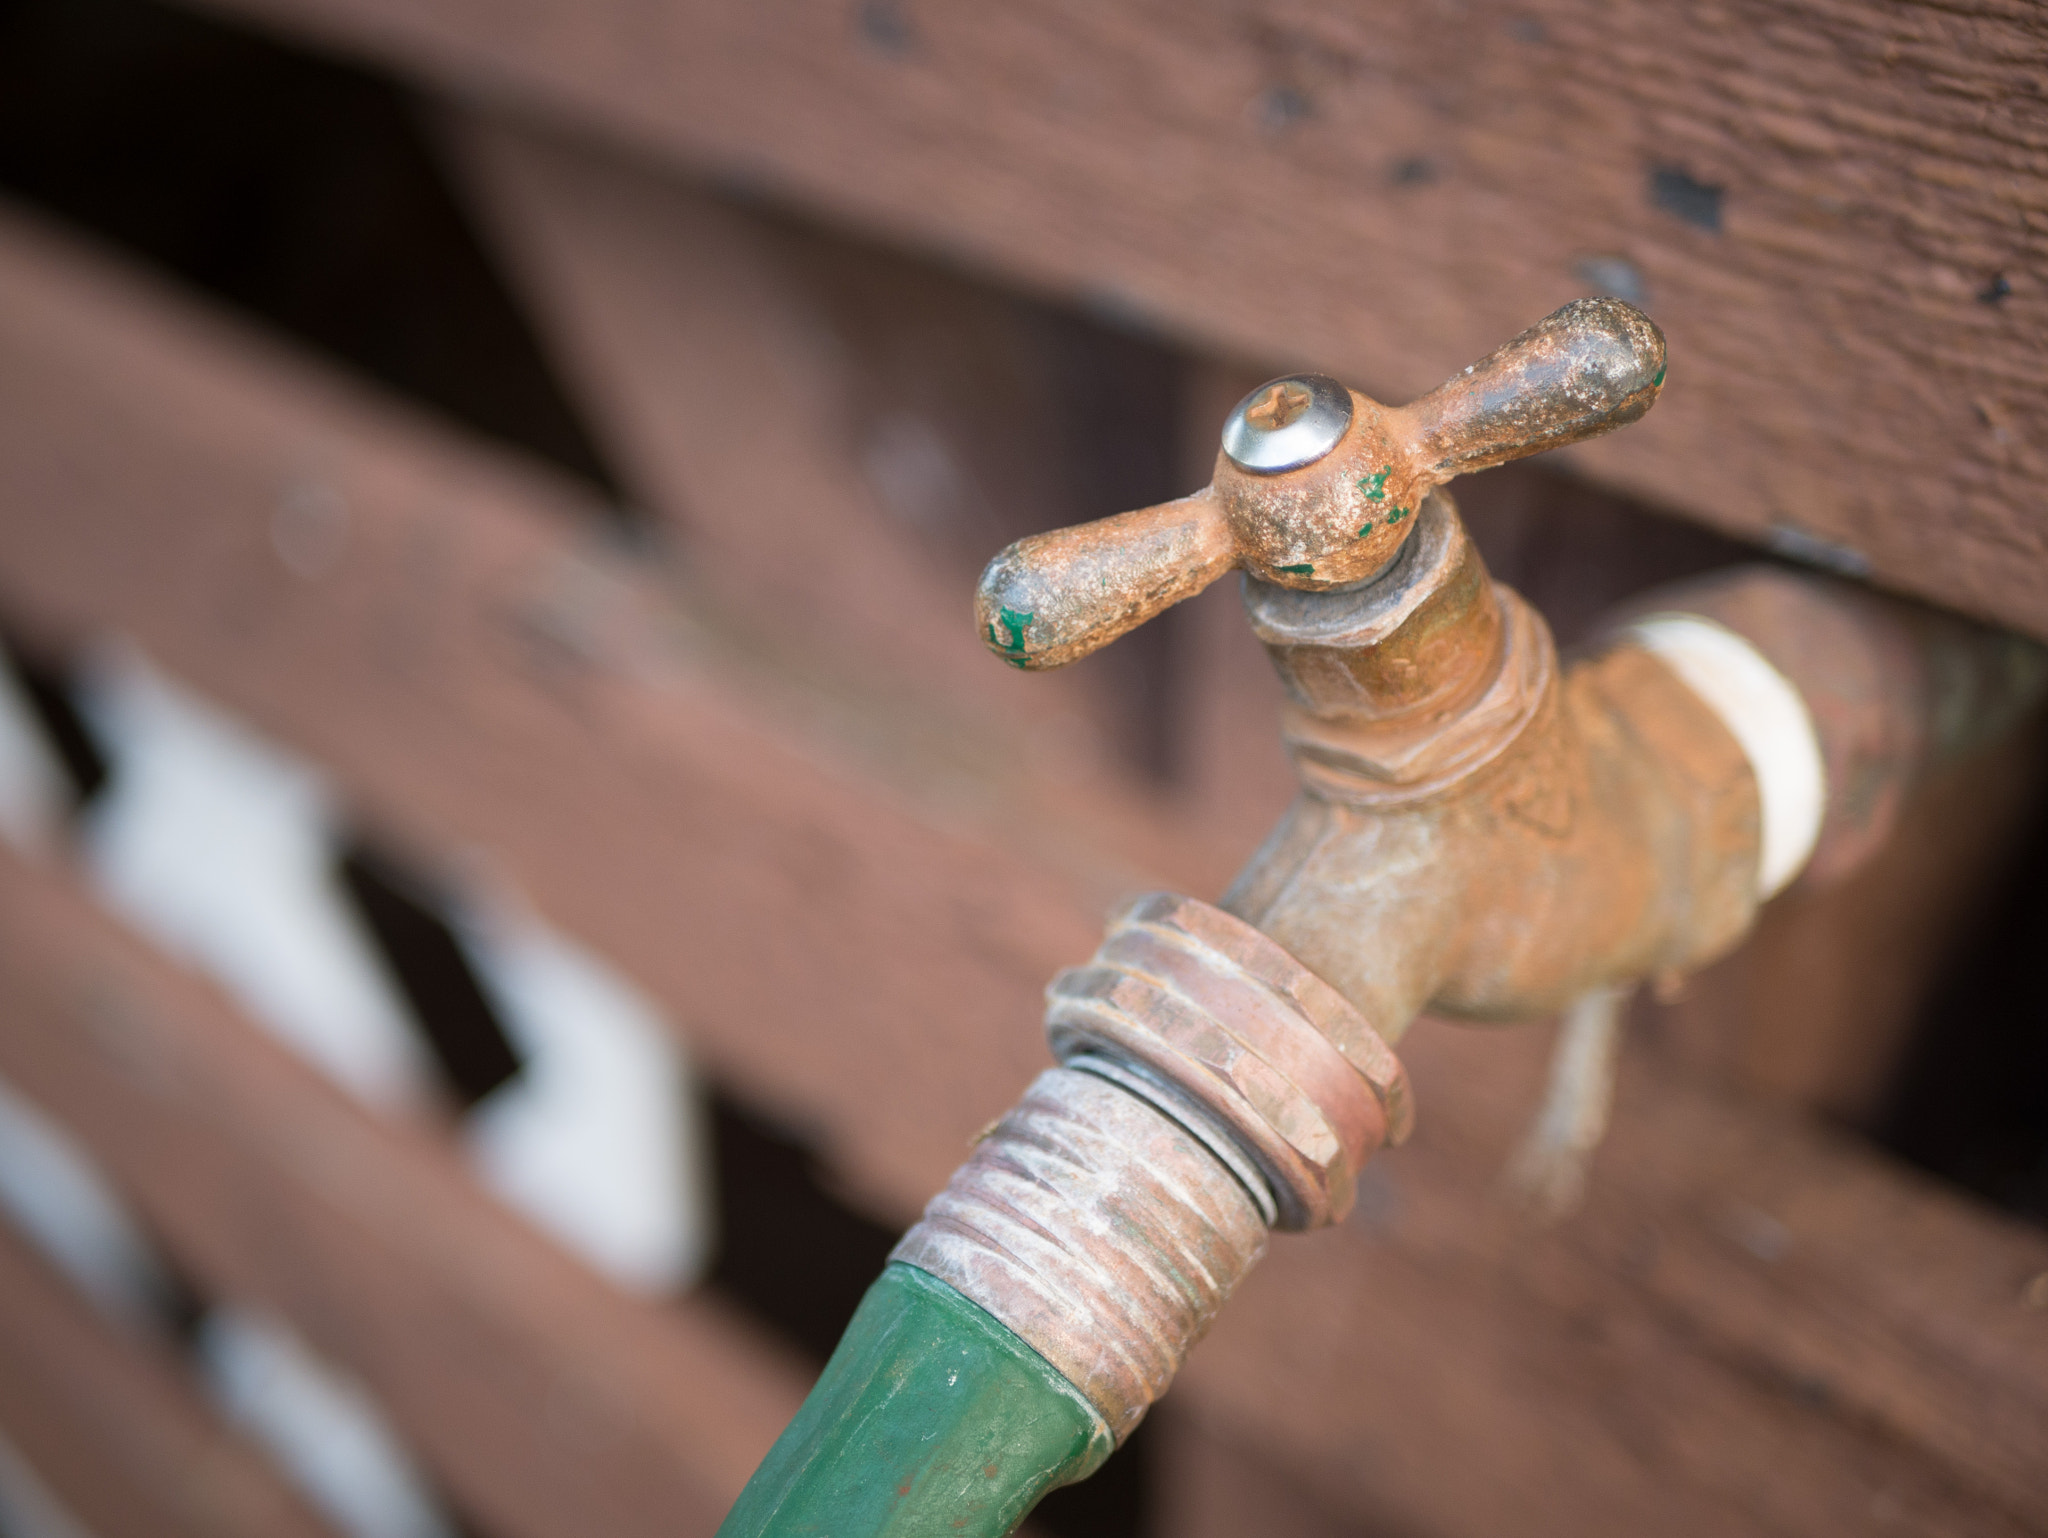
pixel 1819 1006
pixel 850 431
pixel 1752 1328
pixel 1687 1355
pixel 542 1399
pixel 483 673
pixel 1838 211
pixel 112 1425
pixel 726 393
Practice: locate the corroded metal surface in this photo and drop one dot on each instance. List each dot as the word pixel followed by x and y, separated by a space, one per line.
pixel 1611 836
pixel 1564 831
pixel 1403 686
pixel 1211 1087
pixel 1100 1230
pixel 1215 1009
pixel 1339 518
pixel 1480 832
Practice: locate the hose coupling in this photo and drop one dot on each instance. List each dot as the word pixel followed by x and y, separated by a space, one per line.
pixel 1211 1088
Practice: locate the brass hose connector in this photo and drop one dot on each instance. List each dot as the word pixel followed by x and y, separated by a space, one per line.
pixel 1211 1088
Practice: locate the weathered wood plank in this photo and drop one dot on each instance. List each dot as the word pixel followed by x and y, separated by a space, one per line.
pixel 851 434
pixel 114 1428
pixel 482 675
pixel 875 979
pixel 1687 1355
pixel 721 388
pixel 1839 212
pixel 545 1401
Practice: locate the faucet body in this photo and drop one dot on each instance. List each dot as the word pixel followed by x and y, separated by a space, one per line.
pixel 1481 832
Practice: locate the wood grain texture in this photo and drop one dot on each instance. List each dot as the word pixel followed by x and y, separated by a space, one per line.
pixel 1838 212
pixel 1752 1328
pixel 491 682
pixel 1819 1007
pixel 112 1424
pixel 1739 1291
pixel 835 437
pixel 542 1399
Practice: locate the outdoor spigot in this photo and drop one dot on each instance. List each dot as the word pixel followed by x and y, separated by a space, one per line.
pixel 1317 487
pixel 1482 831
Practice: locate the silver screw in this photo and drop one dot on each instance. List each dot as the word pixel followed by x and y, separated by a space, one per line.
pixel 1287 423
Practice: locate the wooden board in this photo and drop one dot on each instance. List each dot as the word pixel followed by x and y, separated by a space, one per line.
pixel 114 1428
pixel 838 440
pixel 542 1399
pixel 1687 1355
pixel 1838 212
pixel 1752 1328
pixel 483 673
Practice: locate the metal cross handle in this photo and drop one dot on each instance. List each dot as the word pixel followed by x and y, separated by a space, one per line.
pixel 1315 485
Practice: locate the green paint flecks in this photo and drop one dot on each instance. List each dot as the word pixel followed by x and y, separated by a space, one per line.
pixel 1375 485
pixel 1365 531
pixel 1658 380
pixel 1306 568
pixel 1397 515
pixel 1016 624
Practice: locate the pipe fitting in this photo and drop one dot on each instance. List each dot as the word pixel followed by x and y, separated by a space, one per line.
pixel 1211 1088
pixel 1100 1230
pixel 1405 685
pixel 1479 832
pixel 1205 1005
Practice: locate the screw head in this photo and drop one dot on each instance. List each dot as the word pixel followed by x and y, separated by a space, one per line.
pixel 1287 423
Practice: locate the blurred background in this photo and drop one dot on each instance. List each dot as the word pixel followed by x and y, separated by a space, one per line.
pixel 519 879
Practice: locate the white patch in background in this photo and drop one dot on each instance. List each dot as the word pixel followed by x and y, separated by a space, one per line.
pixel 55 1195
pixel 322 1429
pixel 219 847
pixel 35 792
pixel 28 1507
pixel 599 1138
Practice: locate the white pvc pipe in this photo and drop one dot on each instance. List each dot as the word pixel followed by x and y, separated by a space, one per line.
pixel 1765 714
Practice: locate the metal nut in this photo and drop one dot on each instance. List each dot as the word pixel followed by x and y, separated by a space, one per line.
pixel 1206 1002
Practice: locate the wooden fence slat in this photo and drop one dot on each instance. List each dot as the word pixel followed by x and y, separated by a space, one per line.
pixel 833 948
pixel 747 405
pixel 117 1431
pixel 1836 210
pixel 474 667
pixel 543 1399
pixel 1739 1291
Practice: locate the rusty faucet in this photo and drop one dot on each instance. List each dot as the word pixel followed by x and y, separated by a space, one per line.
pixel 1481 832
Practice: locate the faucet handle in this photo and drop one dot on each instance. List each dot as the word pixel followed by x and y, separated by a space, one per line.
pixel 1315 485
pixel 1593 366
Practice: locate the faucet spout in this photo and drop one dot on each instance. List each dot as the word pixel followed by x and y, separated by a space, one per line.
pixel 1480 832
